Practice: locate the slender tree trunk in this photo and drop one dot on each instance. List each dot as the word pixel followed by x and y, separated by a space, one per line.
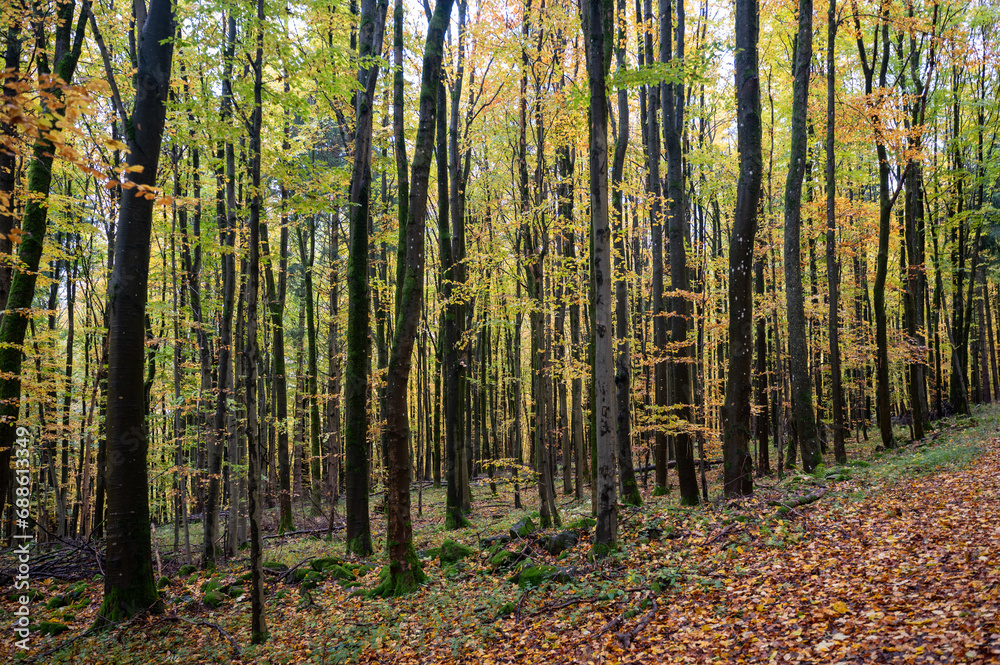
pixel 356 472
pixel 258 629
pixel 738 472
pixel 798 355
pixel 226 211
pixel 597 21
pixel 832 265
pixel 404 567
pixel 681 382
pixel 623 383
pixel 128 582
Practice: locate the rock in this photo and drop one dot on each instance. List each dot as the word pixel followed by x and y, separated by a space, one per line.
pixel 492 541
pixel 274 565
pixel 213 599
pixel 522 528
pixel 582 524
pixel 310 580
pixel 187 570
pixel 52 628
pixel 211 585
pixel 57 602
pixel 236 591
pixel 452 552
pixel 321 564
pixel 535 575
pixel 557 543
pixel 164 581
pixel 431 553
pixel 506 609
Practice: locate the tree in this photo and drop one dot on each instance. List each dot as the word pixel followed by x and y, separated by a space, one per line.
pixel 596 22
pixel 359 539
pixel 404 568
pixel 738 470
pixel 832 265
pixel 128 581
pixel 53 73
pixel 798 356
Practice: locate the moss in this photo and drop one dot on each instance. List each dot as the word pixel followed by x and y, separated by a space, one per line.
pixel 123 603
pixel 52 628
pixel 533 576
pixel 582 524
pixel 310 580
pixel 274 565
pixel 213 599
pixel 211 585
pixel 452 552
pixel 164 581
pixel 523 528
pixel 601 550
pixel 660 491
pixel 323 563
pixel 57 602
pixel 400 578
pixel 236 591
pixel 187 570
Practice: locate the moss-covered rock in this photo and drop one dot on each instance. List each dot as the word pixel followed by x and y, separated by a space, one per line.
pixel 430 553
pixel 522 528
pixel 247 576
pixel 274 565
pixel 582 524
pixel 211 585
pixel 187 570
pixel 533 576
pixel 235 591
pixel 320 565
pixel 213 599
pixel 494 541
pixel 33 595
pixel 506 609
pixel 57 602
pixel 310 580
pixel 558 543
pixel 164 581
pixel 452 552
pixel 52 628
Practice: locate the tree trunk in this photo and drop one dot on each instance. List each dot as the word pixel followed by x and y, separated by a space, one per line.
pixel 356 472
pixel 404 567
pixel 128 583
pixel 738 473
pixel 832 265
pixel 597 20
pixel 798 353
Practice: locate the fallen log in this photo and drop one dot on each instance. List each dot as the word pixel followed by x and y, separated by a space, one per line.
pixel 785 506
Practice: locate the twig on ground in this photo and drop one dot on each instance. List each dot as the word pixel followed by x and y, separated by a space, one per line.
pixel 626 637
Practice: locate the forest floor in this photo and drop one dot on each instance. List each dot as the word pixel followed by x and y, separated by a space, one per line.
pixel 895 562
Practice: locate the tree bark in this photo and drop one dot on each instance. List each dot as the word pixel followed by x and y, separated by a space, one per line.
pixel 738 470
pixel 358 535
pixel 404 567
pixel 597 22
pixel 128 582
pixel 798 353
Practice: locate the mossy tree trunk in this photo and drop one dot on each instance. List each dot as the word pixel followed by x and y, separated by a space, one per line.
pixel 404 568
pixel 34 221
pixel 359 540
pixel 128 584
